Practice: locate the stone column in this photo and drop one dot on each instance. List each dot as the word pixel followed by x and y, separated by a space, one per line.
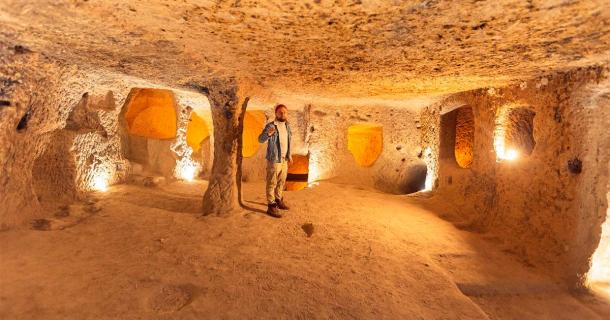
pixel 222 195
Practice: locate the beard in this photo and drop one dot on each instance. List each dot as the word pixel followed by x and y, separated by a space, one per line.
pixel 281 119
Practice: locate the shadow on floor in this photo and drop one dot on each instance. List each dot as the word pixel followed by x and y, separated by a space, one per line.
pixel 166 201
pixel 254 202
pixel 253 209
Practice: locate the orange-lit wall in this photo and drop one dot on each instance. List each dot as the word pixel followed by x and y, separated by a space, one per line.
pixel 365 142
pixel 151 113
pixel 254 122
pixel 196 131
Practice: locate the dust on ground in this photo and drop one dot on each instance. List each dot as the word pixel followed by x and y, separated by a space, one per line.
pixel 340 252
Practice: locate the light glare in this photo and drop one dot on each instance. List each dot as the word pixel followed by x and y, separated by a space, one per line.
pixel 100 183
pixel 511 154
pixel 188 173
pixel 186 169
pixel 430 173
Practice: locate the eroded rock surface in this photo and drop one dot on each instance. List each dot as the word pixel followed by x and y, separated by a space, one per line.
pixel 337 48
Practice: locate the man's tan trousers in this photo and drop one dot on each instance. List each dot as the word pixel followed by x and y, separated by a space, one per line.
pixel 276 179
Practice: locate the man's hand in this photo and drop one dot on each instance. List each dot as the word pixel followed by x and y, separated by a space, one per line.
pixel 290 161
pixel 271 131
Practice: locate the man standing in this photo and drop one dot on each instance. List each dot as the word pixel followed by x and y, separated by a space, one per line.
pixel 277 134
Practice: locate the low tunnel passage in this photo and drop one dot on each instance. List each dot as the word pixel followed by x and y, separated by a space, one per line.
pixel 298 173
pixel 457 136
pixel 514 133
pixel 464 136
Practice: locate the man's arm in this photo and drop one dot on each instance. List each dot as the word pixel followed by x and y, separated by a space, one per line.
pixel 267 132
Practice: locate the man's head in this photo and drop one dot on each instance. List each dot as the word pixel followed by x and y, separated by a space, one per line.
pixel 281 112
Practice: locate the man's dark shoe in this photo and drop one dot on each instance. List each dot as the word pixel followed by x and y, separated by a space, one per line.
pixel 281 204
pixel 273 211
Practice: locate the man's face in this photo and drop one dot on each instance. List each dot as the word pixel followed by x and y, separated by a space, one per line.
pixel 281 114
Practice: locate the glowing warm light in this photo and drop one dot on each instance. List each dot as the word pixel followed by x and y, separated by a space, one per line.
pixel 500 146
pixel 598 277
pixel 513 133
pixel 506 154
pixel 599 272
pixel 500 136
pixel 603 289
pixel 318 166
pixel 151 113
pixel 100 183
pixel 430 172
pixel 188 173
pixel 511 154
pixel 254 122
pixel 314 172
pixel 187 169
pixel 99 177
pixel 100 174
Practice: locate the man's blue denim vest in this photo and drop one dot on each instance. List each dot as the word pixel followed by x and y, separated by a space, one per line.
pixel 273 147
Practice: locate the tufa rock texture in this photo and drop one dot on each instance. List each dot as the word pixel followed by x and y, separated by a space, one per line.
pixel 536 206
pixel 330 48
pixel 228 110
pixel 454 86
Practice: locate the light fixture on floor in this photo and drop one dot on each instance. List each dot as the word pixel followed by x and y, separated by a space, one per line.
pixel 503 153
pixel 430 172
pixel 514 133
pixel 511 154
pixel 100 183
pixel 188 173
pixel 186 169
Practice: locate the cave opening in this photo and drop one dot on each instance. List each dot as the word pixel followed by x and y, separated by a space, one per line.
pixel 598 277
pixel 457 136
pixel 514 133
pixel 151 113
pixel 298 173
pixel 150 123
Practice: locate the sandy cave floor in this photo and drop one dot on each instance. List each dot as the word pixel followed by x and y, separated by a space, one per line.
pixel 147 254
